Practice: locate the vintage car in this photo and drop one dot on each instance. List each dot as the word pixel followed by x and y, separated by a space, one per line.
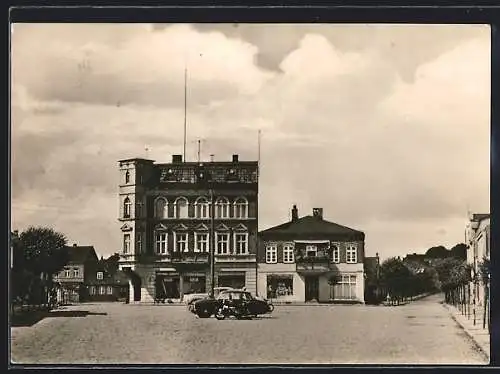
pixel 253 307
pixel 190 299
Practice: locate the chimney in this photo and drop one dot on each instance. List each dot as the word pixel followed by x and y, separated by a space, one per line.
pixel 235 158
pixel 318 213
pixel 176 159
pixel 295 213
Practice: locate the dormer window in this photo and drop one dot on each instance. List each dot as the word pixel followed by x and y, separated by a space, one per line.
pixel 100 275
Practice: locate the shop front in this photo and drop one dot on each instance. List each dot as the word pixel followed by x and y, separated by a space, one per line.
pixel 174 285
pixel 233 279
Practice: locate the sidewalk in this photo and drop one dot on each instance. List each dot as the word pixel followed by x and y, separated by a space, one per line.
pixel 480 336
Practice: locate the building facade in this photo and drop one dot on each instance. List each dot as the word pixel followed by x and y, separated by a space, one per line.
pixel 71 281
pixel 477 239
pixel 167 225
pixel 311 259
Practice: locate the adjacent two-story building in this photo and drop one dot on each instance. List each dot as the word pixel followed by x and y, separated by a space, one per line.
pixel 71 281
pixel 477 239
pixel 170 213
pixel 311 259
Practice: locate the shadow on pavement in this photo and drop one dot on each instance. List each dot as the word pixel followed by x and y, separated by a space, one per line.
pixel 30 318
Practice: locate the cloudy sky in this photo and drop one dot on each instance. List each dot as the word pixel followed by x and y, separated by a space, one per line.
pixel 384 126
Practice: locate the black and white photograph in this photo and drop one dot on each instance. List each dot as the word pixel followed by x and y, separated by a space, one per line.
pixel 250 193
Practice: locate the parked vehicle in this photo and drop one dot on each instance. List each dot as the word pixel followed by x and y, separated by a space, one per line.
pixel 190 299
pixel 246 304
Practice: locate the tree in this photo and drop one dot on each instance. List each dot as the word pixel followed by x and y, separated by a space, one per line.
pixel 45 253
pixel 437 252
pixel 459 251
pixel 485 274
pixel 395 277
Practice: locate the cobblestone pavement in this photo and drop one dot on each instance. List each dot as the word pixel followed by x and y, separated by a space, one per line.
pixel 420 333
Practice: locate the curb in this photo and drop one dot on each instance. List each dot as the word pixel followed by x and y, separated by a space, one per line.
pixel 466 331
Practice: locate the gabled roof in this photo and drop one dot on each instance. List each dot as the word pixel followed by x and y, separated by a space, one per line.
pixel 81 253
pixel 309 225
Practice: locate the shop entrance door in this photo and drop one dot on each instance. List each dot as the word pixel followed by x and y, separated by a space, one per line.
pixel 312 287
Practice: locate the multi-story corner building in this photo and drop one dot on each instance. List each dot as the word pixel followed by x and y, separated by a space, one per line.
pixel 298 260
pixel 167 227
pixel 477 238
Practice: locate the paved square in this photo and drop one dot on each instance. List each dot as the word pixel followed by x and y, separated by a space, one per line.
pixel 419 333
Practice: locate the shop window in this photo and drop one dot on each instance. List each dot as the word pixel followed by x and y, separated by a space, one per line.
pixel 346 288
pixel 279 286
pixel 110 290
pixel 234 281
pixel 102 290
pixel 92 290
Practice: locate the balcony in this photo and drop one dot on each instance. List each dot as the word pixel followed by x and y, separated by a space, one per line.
pixel 313 264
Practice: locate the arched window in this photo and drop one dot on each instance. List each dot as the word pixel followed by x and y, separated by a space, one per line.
pixel 222 208
pixel 161 208
pixel 202 208
pixel 127 177
pixel 181 208
pixel 241 208
pixel 127 207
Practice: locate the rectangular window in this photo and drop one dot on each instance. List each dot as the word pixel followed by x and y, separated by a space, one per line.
pixel 222 243
pixel 271 254
pixel 336 253
pixel 91 290
pixel 67 273
pixel 351 254
pixel 126 243
pixel 279 286
pixel 241 243
pixel 181 242
pixel 288 257
pixel 346 288
pixel 161 244
pixel 110 290
pixel 201 242
pixel 311 251
pixel 76 272
pixel 102 290
pixel 100 275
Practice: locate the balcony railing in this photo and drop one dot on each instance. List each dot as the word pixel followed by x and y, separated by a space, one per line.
pixel 313 263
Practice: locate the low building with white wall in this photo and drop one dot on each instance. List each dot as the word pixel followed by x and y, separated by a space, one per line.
pixel 298 260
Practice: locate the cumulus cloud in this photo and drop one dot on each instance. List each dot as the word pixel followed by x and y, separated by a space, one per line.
pixel 343 127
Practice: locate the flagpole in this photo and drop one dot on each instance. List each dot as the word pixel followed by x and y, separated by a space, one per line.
pixel 185 112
